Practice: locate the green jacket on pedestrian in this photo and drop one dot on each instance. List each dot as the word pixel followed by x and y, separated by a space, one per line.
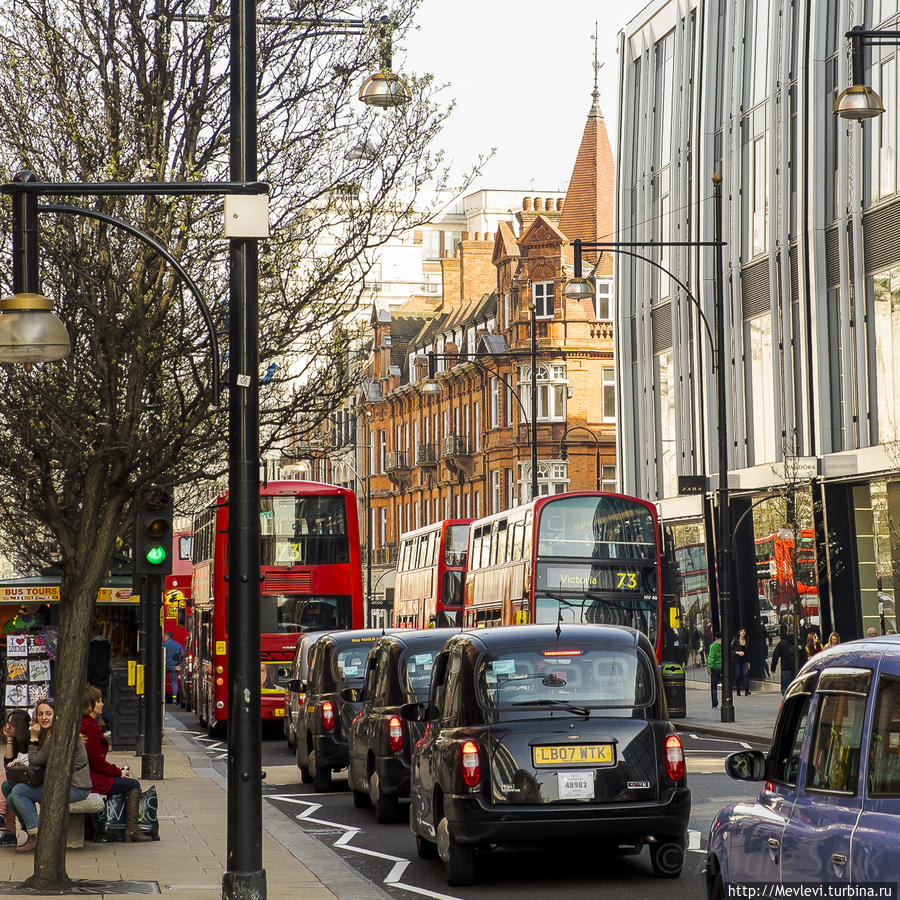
pixel 714 658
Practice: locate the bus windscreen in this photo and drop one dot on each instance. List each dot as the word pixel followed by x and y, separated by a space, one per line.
pixel 596 528
pixel 303 530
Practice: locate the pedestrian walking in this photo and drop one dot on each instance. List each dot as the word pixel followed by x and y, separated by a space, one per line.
pixel 99 655
pixel 696 644
pixel 25 797
pixel 174 654
pixel 714 667
pixel 740 661
pixel 833 639
pixel 107 778
pixel 784 653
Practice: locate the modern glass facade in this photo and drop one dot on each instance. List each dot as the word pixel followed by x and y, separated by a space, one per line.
pixel 811 280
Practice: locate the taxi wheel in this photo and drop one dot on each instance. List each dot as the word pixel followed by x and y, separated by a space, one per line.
pixel 321 775
pixel 459 859
pixel 361 799
pixel 387 807
pixel 717 889
pixel 425 849
pixel 305 776
pixel 667 857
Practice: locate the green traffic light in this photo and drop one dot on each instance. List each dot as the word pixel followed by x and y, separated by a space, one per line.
pixel 156 555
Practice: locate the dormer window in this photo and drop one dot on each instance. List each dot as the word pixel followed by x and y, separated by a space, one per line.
pixel 542 294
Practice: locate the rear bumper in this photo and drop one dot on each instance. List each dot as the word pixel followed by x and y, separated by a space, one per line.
pixel 330 751
pixel 472 821
pixel 393 775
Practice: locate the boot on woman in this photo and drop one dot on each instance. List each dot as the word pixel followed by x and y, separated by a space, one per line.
pixel 132 817
pixel 30 843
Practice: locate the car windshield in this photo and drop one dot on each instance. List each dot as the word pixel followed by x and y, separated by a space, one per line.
pixel 416 670
pixel 591 677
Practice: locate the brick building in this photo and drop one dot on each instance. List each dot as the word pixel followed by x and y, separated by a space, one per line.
pixel 466 450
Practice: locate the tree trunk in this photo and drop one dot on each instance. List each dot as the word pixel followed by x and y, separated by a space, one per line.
pixel 78 596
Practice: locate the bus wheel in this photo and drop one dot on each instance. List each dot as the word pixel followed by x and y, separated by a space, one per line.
pixel 215 729
pixel 321 775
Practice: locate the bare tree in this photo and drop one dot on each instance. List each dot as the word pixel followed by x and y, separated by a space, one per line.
pixel 129 90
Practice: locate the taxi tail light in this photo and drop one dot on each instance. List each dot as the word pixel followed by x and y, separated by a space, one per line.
pixel 470 761
pixel 674 754
pixel 220 680
pixel 328 715
pixel 395 734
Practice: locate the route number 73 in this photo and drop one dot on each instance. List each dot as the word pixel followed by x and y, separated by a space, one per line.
pixel 627 580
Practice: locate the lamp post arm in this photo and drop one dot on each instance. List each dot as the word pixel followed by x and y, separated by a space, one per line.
pixel 562 440
pixel 164 252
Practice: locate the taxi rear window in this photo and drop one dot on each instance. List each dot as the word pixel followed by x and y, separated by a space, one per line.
pixel 351 664
pixel 416 672
pixel 596 677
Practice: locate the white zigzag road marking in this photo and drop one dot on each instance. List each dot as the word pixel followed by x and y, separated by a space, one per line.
pixel 350 832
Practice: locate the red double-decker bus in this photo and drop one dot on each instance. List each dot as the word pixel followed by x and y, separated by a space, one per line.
pixel 310 580
pixel 177 596
pixel 431 573
pixel 585 556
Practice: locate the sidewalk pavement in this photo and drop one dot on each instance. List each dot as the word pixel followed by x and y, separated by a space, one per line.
pixel 190 858
pixel 754 716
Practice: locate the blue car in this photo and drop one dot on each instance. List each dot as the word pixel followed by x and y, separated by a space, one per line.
pixel 829 809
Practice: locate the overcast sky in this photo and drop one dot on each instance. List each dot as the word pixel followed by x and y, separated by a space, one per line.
pixel 521 80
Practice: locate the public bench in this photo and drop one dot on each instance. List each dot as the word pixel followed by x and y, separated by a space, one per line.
pixel 93 803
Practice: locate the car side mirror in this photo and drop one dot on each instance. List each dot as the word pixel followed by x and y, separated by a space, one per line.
pixel 746 765
pixel 297 685
pixel 351 695
pixel 413 712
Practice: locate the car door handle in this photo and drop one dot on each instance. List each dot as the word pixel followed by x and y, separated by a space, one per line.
pixel 773 844
pixel 839 859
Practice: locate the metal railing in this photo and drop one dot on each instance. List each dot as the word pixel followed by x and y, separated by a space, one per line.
pixel 456 445
pixel 397 459
pixel 426 455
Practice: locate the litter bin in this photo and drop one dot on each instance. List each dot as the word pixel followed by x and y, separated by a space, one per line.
pixel 673 684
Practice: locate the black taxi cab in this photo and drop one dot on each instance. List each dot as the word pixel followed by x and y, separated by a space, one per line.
pixel 338 662
pixel 535 734
pixel 398 671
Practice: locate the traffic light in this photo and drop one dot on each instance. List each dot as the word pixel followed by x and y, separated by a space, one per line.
pixel 153 534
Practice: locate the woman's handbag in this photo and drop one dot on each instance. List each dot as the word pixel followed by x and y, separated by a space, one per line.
pixel 33 776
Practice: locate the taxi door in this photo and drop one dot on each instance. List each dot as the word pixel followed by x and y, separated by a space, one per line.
pixel 873 846
pixel 816 842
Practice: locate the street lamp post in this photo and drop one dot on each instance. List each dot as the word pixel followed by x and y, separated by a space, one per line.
pixel 580 288
pixel 432 386
pixel 564 453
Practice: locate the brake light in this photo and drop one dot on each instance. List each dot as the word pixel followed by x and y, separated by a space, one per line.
pixel 220 681
pixel 395 734
pixel 470 760
pixel 674 758
pixel 563 652
pixel 328 715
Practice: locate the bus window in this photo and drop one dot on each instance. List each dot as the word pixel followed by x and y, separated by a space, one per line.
pixel 502 555
pixel 456 539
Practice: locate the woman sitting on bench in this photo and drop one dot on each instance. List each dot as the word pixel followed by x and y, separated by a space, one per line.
pixel 107 778
pixel 23 797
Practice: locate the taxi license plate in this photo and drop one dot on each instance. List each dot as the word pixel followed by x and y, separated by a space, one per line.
pixel 279 711
pixel 573 755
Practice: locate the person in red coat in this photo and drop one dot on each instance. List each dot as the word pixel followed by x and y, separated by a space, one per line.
pixel 107 778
